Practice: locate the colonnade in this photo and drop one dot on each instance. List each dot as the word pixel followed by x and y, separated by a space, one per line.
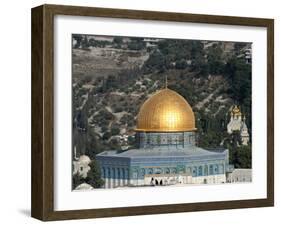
pixel 206 170
pixel 199 170
pixel 115 177
pixel 119 177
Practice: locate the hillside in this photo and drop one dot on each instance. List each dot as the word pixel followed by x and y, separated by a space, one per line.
pixel 113 77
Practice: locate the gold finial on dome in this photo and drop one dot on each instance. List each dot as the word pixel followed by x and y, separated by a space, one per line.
pixel 165 111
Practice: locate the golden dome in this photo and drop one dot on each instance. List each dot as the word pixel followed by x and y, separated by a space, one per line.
pixel 165 111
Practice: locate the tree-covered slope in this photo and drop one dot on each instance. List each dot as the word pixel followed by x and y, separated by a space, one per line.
pixel 113 77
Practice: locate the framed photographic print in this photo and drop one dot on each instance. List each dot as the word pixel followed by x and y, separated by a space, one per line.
pixel 141 112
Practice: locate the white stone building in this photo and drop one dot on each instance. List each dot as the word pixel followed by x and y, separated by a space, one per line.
pixel 236 123
pixel 81 165
pixel 83 187
pixel 239 176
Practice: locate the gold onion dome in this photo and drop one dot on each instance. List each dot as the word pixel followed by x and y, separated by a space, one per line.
pixel 165 111
pixel 236 111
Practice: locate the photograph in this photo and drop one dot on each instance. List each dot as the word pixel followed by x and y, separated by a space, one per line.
pixel 158 112
pixel 125 113
pixel 141 112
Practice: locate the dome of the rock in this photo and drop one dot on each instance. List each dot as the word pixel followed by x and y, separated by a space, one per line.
pixel 165 111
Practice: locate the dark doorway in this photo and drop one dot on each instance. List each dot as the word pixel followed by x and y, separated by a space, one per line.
pixel 161 182
pixel 152 181
pixel 156 182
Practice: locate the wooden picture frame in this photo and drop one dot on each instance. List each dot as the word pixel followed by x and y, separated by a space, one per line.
pixel 43 108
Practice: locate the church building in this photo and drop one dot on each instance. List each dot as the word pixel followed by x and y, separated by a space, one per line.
pixel 238 124
pixel 166 152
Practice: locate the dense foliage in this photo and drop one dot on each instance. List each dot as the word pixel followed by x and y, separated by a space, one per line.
pixel 93 177
pixel 209 76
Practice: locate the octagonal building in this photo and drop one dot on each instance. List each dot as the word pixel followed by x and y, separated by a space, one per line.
pixel 166 153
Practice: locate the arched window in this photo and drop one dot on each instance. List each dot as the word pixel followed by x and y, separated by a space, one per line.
pixel 200 171
pixel 118 173
pixel 222 169
pixel 189 171
pixel 181 169
pixel 169 139
pixel 113 173
pixel 108 172
pixel 135 173
pixel 127 173
pixel 173 170
pixel 158 139
pixel 211 171
pixel 148 139
pixel 216 169
pixel 194 171
pixel 142 172
pixel 150 171
pixel 158 171
pixel 181 138
pixel 206 170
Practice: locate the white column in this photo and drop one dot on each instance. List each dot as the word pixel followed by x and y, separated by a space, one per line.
pixel 113 177
pixel 105 182
pixel 104 177
pixel 110 178
pixel 126 177
pixel 121 178
pixel 118 177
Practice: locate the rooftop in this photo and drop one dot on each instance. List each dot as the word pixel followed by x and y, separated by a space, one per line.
pixel 164 152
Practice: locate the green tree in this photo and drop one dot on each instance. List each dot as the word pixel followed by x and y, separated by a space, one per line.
pixel 77 180
pixel 244 157
pixel 94 175
pixel 85 42
pixel 155 62
pixel 118 40
pixel 216 64
pixel 115 131
pixel 136 45
pixel 238 46
pixel 106 135
pixel 239 74
pixel 93 144
pixel 78 39
pixel 181 64
pixel 132 141
pixel 200 65
pixel 241 157
pixel 114 144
